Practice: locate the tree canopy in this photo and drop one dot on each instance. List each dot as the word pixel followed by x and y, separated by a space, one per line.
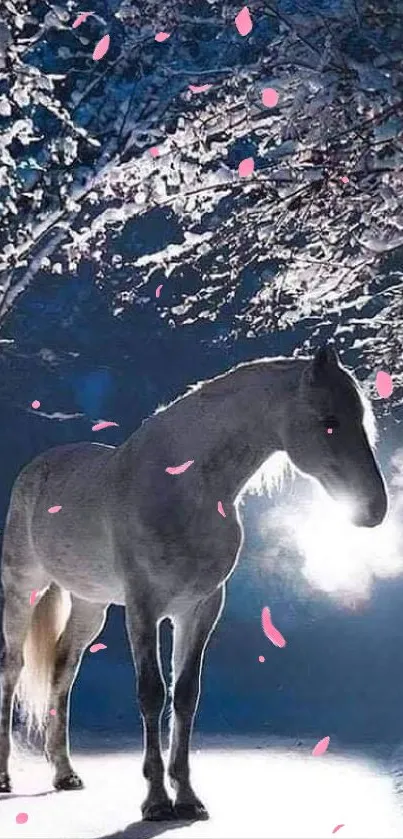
pixel 312 238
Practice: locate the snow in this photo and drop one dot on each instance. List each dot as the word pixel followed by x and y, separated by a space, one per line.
pixel 250 790
pixel 79 180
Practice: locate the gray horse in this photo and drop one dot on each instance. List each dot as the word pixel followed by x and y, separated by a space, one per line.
pixel 131 533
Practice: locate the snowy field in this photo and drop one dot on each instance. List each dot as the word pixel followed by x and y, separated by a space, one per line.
pixel 250 791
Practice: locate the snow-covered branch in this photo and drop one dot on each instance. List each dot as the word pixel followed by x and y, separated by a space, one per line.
pixel 314 235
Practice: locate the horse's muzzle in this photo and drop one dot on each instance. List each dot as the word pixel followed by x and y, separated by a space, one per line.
pixel 373 514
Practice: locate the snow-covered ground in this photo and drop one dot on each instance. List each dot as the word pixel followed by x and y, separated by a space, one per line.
pixel 250 791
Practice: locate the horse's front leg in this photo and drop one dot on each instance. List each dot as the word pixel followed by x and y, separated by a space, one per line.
pixel 191 634
pixel 144 641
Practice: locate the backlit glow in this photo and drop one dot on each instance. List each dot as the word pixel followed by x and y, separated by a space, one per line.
pixel 339 556
pixel 304 532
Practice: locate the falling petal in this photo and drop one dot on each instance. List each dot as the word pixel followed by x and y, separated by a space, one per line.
pixel 55 509
pixel 199 88
pixel 103 424
pixel 344 179
pixel 177 470
pixel 246 167
pixel 273 634
pixel 158 290
pixel 96 647
pixel 33 596
pixel 220 509
pixel 154 151
pixel 21 818
pixel 52 712
pixel 329 430
pixel 162 36
pixel 243 21
pixel 261 659
pixel 384 384
pixel 270 97
pixel 81 19
pixel 35 404
pixel 321 747
pixel 101 48
pixel 338 827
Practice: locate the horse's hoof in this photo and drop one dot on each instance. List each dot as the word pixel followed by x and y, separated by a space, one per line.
pixel 71 781
pixel 162 812
pixel 5 783
pixel 191 811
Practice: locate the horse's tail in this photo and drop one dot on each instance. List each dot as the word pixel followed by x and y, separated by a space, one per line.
pixel 49 619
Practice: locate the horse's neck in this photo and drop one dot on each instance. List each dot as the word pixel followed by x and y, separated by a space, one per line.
pixel 233 423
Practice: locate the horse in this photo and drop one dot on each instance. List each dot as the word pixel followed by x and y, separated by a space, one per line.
pixel 139 526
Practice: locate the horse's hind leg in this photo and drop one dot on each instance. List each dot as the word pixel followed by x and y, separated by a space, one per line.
pixel 191 634
pixel 144 641
pixel 84 624
pixel 18 583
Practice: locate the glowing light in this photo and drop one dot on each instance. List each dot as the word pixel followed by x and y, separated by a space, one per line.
pixel 338 555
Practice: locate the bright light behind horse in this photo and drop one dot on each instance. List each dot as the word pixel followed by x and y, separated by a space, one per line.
pixel 338 556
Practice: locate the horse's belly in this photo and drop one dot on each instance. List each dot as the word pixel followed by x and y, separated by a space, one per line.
pixel 91 587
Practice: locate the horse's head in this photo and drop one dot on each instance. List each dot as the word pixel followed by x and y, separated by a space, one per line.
pixel 326 437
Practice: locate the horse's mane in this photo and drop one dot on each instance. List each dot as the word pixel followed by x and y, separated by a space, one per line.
pixel 220 378
pixel 271 475
pixel 369 420
pixel 278 466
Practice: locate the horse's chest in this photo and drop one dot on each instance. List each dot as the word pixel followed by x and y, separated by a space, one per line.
pixel 205 558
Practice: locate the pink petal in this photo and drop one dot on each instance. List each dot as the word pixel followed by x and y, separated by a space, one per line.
pixel 344 179
pixel 243 21
pixel 162 36
pixel 55 509
pixel 154 151
pixel 384 384
pixel 21 818
pixel 81 19
pixel 321 747
pixel 52 712
pixel 270 97
pixel 261 659
pixel 101 48
pixel 158 290
pixel 329 430
pixel 273 634
pixel 103 424
pixel 246 167
pixel 199 88
pixel 35 404
pixel 33 596
pixel 96 647
pixel 177 470
pixel 338 827
pixel 220 509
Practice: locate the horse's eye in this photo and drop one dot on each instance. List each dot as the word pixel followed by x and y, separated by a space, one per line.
pixel 330 424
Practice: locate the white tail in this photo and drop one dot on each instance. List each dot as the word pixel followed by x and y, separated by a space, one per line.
pixel 49 619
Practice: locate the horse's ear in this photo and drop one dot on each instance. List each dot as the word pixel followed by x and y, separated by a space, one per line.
pixel 324 358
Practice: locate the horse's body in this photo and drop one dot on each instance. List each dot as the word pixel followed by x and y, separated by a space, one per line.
pixel 130 533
